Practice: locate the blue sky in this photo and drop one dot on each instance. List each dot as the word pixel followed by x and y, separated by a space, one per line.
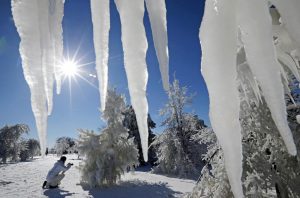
pixel 80 108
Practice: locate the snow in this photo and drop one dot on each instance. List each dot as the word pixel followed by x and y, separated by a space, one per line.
pixel 232 35
pixel 158 19
pixel 101 26
pixel 135 47
pixel 14 183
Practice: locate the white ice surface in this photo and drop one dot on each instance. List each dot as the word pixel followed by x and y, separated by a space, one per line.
pixel 218 36
pixel 158 19
pixel 101 25
pixel 135 46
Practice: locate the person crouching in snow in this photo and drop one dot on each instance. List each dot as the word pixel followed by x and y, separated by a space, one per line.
pixel 54 177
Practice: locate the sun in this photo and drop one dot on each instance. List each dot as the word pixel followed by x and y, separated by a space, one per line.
pixel 69 68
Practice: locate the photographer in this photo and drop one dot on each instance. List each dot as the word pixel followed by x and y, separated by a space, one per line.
pixel 53 177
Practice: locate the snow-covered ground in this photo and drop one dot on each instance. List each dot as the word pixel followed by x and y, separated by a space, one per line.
pixel 25 179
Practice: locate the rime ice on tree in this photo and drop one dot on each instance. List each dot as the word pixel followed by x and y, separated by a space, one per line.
pixel 108 154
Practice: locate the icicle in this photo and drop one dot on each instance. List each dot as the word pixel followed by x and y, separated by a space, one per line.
pixel 47 50
pixel 218 36
pixel 135 46
pixel 157 13
pixel 26 18
pixel 260 53
pixel 290 16
pixel 39 26
pixel 56 13
pixel 101 26
pixel 287 61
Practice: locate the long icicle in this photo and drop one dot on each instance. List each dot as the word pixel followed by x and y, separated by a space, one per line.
pixel 135 47
pixel 101 26
pixel 218 37
pixel 30 50
pixel 158 19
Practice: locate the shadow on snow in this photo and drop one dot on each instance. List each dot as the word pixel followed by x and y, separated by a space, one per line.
pixel 57 193
pixel 133 189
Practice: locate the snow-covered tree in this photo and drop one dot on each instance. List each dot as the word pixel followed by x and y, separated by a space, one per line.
pixel 131 124
pixel 29 148
pixel 175 147
pixel 64 145
pixel 10 138
pixel 213 181
pixel 108 154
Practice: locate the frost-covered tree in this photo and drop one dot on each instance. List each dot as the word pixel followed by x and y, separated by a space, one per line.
pixel 64 145
pixel 131 124
pixel 213 181
pixel 10 138
pixel 108 154
pixel 29 148
pixel 175 147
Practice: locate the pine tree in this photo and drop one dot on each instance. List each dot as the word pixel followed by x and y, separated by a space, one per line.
pixel 130 123
pixel 108 154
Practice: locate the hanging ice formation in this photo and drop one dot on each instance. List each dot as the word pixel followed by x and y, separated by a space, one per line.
pixel 38 23
pixel 101 26
pixel 267 47
pixel 135 47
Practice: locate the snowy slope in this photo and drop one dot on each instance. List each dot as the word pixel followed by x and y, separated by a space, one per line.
pixel 25 180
